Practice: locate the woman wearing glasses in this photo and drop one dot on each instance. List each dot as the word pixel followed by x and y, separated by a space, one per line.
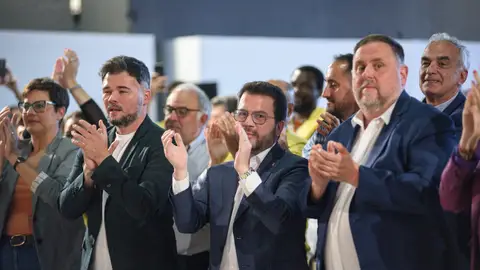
pixel 33 172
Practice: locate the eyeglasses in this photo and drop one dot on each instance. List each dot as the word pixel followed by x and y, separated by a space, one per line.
pixel 258 118
pixel 181 111
pixel 38 106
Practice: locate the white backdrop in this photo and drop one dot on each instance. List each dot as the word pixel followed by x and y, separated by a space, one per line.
pixel 32 54
pixel 232 61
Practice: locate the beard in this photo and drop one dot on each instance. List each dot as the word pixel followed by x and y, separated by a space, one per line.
pixel 260 144
pixel 124 121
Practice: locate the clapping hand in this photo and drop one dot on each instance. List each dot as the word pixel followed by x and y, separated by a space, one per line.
pixel 176 154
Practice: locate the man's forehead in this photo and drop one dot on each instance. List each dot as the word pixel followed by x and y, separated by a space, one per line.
pixel 184 97
pixel 372 51
pixel 441 48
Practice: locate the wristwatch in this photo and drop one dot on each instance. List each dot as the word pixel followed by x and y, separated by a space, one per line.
pixel 246 174
pixel 18 161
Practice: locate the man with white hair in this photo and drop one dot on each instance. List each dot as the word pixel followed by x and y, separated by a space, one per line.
pixel 443 70
pixel 186 112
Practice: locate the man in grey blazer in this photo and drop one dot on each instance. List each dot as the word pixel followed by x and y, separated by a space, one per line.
pixel 33 173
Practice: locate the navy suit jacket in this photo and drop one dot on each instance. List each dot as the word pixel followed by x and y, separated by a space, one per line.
pixel 395 216
pixel 269 227
pixel 455 110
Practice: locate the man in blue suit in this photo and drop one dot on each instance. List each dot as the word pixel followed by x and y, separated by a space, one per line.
pixel 374 183
pixel 254 204
pixel 443 71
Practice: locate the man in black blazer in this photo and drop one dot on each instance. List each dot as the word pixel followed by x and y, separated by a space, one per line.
pixel 122 189
pixel 253 204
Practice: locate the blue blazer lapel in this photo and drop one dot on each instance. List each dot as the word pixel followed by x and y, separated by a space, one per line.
pixel 456 103
pixel 264 171
pixel 387 131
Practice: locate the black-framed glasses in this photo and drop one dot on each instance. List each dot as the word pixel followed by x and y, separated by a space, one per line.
pixel 258 117
pixel 38 106
pixel 181 111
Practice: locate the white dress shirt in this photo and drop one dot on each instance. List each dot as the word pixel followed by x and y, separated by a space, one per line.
pixel 245 187
pixel 340 251
pixel 198 158
pixel 101 259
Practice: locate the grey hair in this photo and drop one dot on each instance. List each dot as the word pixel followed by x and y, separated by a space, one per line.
pixel 464 53
pixel 204 104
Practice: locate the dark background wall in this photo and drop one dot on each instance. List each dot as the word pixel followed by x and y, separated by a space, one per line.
pixel 285 18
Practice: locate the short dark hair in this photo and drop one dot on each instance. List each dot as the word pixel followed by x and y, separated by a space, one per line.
pixel 348 58
pixel 56 92
pixel 268 89
pixel 319 77
pixel 132 66
pixel 396 47
pixel 229 102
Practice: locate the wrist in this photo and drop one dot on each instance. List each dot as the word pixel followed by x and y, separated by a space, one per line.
pixel 180 175
pixel 355 175
pixel 101 158
pixel 242 170
pixel 71 84
pixel 12 158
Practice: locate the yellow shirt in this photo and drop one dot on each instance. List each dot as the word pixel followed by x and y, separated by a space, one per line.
pixel 308 127
pixel 161 124
pixel 295 143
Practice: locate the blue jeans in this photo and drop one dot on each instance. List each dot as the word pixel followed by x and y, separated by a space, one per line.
pixel 18 258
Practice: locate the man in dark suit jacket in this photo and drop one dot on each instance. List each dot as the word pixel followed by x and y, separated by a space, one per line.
pixel 375 183
pixel 443 71
pixel 124 189
pixel 253 204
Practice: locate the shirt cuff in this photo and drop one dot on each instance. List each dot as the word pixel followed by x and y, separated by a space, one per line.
pixel 250 183
pixel 180 186
pixel 40 178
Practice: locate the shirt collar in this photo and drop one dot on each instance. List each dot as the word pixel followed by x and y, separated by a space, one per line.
pixel 443 106
pixel 196 142
pixel 386 116
pixel 258 159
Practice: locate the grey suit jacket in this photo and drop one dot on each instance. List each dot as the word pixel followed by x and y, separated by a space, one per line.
pixel 58 240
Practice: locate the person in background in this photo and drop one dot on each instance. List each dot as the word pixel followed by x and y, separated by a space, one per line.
pixel 33 173
pixel 307 82
pixel 71 120
pixel 187 111
pixel 460 184
pixel 341 106
pixel 288 138
pixel 65 73
pixel 374 187
pixel 252 204
pixel 10 82
pixel 217 146
pixel 120 178
pixel 341 102
pixel 443 71
pixel 169 90
pixel 220 105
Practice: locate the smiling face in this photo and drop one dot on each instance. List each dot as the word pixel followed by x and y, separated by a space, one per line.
pixel 441 71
